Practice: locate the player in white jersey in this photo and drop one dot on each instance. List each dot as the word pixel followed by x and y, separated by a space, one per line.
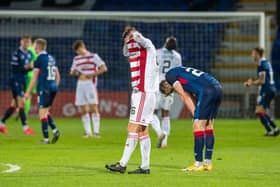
pixel 167 58
pixel 144 81
pixel 87 66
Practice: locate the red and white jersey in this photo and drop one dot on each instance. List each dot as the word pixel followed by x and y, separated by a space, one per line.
pixel 87 64
pixel 143 65
pixel 167 59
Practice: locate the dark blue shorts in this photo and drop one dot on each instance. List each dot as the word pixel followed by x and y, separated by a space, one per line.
pixel 46 98
pixel 18 88
pixel 265 98
pixel 208 103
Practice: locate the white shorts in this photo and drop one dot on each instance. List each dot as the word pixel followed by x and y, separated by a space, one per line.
pixel 164 102
pixel 86 93
pixel 142 107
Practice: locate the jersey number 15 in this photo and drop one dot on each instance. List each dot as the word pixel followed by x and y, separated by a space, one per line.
pixel 51 72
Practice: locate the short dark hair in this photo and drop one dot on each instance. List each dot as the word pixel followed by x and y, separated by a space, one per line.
pixel 161 87
pixel 42 42
pixel 127 30
pixel 26 36
pixel 171 43
pixel 259 51
pixel 77 44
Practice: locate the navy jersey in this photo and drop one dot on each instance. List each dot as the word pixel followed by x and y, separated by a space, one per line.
pixel 46 65
pixel 268 86
pixel 192 80
pixel 20 59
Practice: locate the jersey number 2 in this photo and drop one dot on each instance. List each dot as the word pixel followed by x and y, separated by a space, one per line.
pixel 194 71
pixel 51 72
pixel 166 66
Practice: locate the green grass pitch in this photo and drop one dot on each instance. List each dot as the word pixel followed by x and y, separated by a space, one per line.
pixel 242 157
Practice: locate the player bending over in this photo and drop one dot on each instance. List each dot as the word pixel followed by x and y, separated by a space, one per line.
pixel 20 64
pixel 267 91
pixel 87 67
pixel 191 83
pixel 47 77
pixel 167 58
pixel 144 81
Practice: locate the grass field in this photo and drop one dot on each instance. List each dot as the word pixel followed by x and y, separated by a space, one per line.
pixel 243 157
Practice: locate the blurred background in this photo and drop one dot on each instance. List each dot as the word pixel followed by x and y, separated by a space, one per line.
pixel 219 45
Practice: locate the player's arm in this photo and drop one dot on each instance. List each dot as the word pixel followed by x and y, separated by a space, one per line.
pixel 33 82
pixel 101 69
pixel 28 62
pixel 74 71
pixel 57 76
pixel 125 50
pixel 259 81
pixel 186 97
pixel 139 38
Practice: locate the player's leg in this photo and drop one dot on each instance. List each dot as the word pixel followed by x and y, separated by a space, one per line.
pixel 267 100
pixel 140 115
pixel 165 105
pixel 15 88
pixel 198 131
pixel 145 117
pixel 165 126
pixel 95 116
pixel 27 104
pixel 260 113
pixel 130 145
pixel 86 120
pixel 137 100
pixel 201 118
pixel 56 133
pixel 92 97
pixel 43 113
pixel 155 123
pixel 82 103
pixel 23 118
pixel 209 145
pixel 51 122
pixel 8 113
pixel 145 148
pixel 209 130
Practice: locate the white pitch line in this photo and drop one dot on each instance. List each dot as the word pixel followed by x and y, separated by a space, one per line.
pixel 12 168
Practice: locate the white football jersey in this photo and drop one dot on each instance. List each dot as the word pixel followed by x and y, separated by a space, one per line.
pixel 87 64
pixel 167 60
pixel 143 66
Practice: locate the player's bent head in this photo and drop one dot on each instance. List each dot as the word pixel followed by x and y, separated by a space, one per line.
pixel 40 44
pixel 78 44
pixel 165 87
pixel 171 43
pixel 258 51
pixel 127 30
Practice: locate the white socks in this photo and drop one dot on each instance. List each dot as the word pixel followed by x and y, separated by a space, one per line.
pixel 130 146
pixel 145 146
pixel 166 129
pixel 156 125
pixel 86 123
pixel 96 123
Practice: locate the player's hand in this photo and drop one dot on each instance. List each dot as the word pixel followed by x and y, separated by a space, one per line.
pixel 248 83
pixel 128 37
pixel 27 95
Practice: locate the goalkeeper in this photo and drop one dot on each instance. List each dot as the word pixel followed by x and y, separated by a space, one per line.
pixel 27 104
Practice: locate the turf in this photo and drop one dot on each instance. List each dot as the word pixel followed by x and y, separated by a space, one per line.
pixel 243 157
